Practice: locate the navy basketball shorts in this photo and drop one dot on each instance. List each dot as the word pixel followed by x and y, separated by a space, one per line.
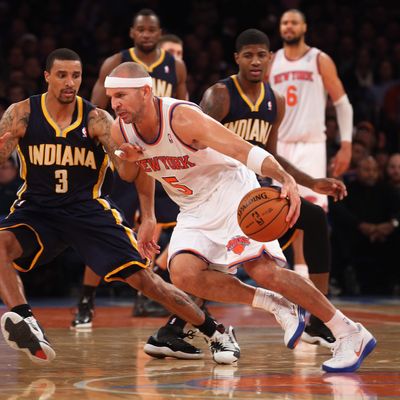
pixel 95 229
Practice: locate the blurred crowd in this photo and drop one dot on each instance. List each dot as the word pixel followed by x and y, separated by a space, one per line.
pixel 362 37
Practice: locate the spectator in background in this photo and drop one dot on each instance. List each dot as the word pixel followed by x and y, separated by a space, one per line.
pixel 365 132
pixel 359 151
pixel 393 172
pixel 366 222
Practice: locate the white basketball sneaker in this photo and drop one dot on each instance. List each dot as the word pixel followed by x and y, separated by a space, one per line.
pixel 224 347
pixel 25 334
pixel 291 318
pixel 350 351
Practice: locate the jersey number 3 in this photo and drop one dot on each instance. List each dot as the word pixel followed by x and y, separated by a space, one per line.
pixel 62 180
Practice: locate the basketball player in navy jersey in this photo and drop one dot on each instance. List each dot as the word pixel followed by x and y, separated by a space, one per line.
pixel 168 73
pixel 65 148
pixel 253 111
pixel 169 79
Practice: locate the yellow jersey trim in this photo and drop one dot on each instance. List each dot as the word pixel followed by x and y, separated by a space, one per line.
pixel 149 68
pixel 35 258
pixel 64 132
pixel 102 174
pixel 253 107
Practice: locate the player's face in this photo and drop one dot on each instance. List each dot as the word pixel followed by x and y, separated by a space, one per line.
pixel 146 33
pixel 253 61
pixel 64 80
pixel 128 104
pixel 292 28
pixel 174 48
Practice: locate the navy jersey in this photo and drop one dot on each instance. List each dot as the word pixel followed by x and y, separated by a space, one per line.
pixel 60 167
pixel 162 71
pixel 252 122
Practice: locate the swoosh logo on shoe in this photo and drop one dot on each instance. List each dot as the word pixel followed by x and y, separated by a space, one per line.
pixel 359 350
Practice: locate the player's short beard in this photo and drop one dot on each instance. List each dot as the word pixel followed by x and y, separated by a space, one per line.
pixel 293 41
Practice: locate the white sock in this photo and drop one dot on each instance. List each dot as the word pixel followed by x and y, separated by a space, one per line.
pixel 340 325
pixel 301 269
pixel 265 299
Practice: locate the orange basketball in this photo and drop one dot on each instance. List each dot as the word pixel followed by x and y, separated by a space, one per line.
pixel 262 214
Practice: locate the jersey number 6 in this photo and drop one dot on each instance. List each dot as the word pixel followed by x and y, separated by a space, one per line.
pixel 291 96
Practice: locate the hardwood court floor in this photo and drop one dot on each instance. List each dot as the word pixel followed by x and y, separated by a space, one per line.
pixel 108 363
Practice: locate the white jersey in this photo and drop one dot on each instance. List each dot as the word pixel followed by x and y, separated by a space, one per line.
pixel 187 175
pixel 208 187
pixel 301 84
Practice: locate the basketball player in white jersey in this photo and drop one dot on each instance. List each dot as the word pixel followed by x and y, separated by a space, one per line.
pixel 305 75
pixel 206 169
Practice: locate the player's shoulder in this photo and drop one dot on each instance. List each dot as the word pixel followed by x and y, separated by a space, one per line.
pixel 20 107
pixel 219 90
pixel 111 62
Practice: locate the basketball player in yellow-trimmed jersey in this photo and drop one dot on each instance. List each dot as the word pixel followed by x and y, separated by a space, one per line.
pixel 168 73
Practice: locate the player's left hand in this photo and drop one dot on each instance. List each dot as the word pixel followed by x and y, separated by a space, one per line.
pixel 147 246
pixel 331 187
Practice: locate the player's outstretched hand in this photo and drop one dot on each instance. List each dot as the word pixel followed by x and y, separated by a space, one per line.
pixel 129 152
pixel 147 246
pixel 331 187
pixel 289 190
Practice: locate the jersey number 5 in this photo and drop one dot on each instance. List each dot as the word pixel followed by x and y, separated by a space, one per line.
pixel 291 96
pixel 62 178
pixel 171 180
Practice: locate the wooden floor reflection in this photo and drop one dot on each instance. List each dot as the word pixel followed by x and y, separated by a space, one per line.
pixel 108 363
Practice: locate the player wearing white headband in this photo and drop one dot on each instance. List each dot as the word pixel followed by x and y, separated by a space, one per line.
pixel 204 168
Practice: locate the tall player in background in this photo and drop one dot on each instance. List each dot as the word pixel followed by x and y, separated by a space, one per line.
pixel 304 74
pixel 169 79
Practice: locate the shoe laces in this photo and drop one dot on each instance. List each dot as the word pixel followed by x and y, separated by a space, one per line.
pixel 344 345
pixel 34 327
pixel 222 342
pixel 282 308
pixel 190 334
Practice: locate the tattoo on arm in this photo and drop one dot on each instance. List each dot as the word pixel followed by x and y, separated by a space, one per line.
pixel 13 123
pixel 213 104
pixel 100 123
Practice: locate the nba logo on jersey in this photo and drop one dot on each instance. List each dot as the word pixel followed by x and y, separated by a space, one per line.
pixel 166 69
pixel 170 138
pixel 269 106
pixel 84 133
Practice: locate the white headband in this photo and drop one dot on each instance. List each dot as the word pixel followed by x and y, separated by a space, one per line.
pixel 114 82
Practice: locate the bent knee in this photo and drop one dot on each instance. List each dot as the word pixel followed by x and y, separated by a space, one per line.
pixel 177 275
pixel 9 246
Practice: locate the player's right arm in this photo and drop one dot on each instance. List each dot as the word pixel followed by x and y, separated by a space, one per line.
pixel 13 125
pixel 216 101
pixel 99 97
